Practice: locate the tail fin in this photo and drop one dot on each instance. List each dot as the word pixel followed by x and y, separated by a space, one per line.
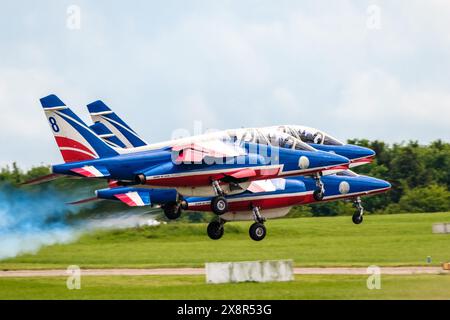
pixel 100 112
pixel 76 141
pixel 103 132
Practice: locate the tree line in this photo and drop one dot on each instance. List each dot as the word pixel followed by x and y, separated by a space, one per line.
pixel 419 174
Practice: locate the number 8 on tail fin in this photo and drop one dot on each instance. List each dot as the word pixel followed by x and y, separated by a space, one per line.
pixel 76 141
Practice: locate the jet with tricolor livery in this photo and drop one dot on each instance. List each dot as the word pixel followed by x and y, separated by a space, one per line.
pixel 318 139
pixel 206 165
pixel 263 199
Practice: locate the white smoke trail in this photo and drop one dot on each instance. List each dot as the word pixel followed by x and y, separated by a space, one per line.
pixel 30 220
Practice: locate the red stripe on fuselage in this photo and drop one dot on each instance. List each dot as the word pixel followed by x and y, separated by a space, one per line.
pixel 196 180
pixel 363 160
pixel 279 202
pixel 263 204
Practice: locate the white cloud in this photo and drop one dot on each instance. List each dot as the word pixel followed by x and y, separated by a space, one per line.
pixel 230 64
pixel 377 105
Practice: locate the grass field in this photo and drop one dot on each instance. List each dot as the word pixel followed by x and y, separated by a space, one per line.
pixel 194 287
pixel 384 240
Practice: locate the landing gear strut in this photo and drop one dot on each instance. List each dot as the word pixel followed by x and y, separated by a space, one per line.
pixel 257 230
pixel 219 204
pixel 357 217
pixel 320 190
pixel 215 229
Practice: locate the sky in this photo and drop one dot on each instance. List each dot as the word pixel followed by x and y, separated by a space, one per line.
pixel 355 69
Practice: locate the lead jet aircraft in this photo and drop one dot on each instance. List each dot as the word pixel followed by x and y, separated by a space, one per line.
pixel 263 199
pixel 200 166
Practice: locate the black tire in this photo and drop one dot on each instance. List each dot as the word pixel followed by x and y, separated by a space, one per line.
pixel 257 231
pixel 172 210
pixel 219 205
pixel 215 230
pixel 357 218
pixel 318 194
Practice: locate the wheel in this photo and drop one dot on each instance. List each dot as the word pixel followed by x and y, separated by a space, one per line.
pixel 257 231
pixel 318 194
pixel 215 230
pixel 172 210
pixel 219 205
pixel 357 218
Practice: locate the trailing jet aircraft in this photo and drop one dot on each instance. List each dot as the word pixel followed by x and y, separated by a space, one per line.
pixel 193 166
pixel 101 114
pixel 272 197
pixel 319 140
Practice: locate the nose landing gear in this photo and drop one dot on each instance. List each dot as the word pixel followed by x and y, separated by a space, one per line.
pixel 257 230
pixel 215 229
pixel 320 190
pixel 219 204
pixel 357 217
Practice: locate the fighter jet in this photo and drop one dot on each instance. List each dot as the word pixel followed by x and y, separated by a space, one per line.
pixel 263 199
pixel 197 166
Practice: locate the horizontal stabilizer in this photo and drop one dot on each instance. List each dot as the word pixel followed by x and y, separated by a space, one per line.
pixel 47 178
pixel 85 201
pixel 92 171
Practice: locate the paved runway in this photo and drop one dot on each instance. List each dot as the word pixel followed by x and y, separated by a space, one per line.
pixel 201 271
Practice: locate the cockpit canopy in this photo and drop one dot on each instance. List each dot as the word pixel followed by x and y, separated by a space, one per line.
pixel 268 137
pixel 310 135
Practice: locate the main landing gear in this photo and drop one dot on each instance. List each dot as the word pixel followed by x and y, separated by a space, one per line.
pixel 172 210
pixel 257 230
pixel 357 217
pixel 320 190
pixel 215 229
pixel 219 204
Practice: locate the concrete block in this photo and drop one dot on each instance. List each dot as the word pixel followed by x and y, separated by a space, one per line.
pixel 441 228
pixel 249 271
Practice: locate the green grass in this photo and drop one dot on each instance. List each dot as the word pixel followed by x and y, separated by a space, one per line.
pixel 384 240
pixel 194 287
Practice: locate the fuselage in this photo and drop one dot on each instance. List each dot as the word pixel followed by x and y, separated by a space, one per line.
pixel 257 162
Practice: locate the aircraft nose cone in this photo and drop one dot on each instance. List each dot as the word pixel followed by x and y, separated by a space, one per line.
pixel 331 159
pixel 362 152
pixel 378 184
pixel 383 184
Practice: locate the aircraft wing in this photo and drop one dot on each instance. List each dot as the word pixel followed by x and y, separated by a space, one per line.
pixel 134 198
pixel 197 151
pixel 267 185
pixel 92 171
